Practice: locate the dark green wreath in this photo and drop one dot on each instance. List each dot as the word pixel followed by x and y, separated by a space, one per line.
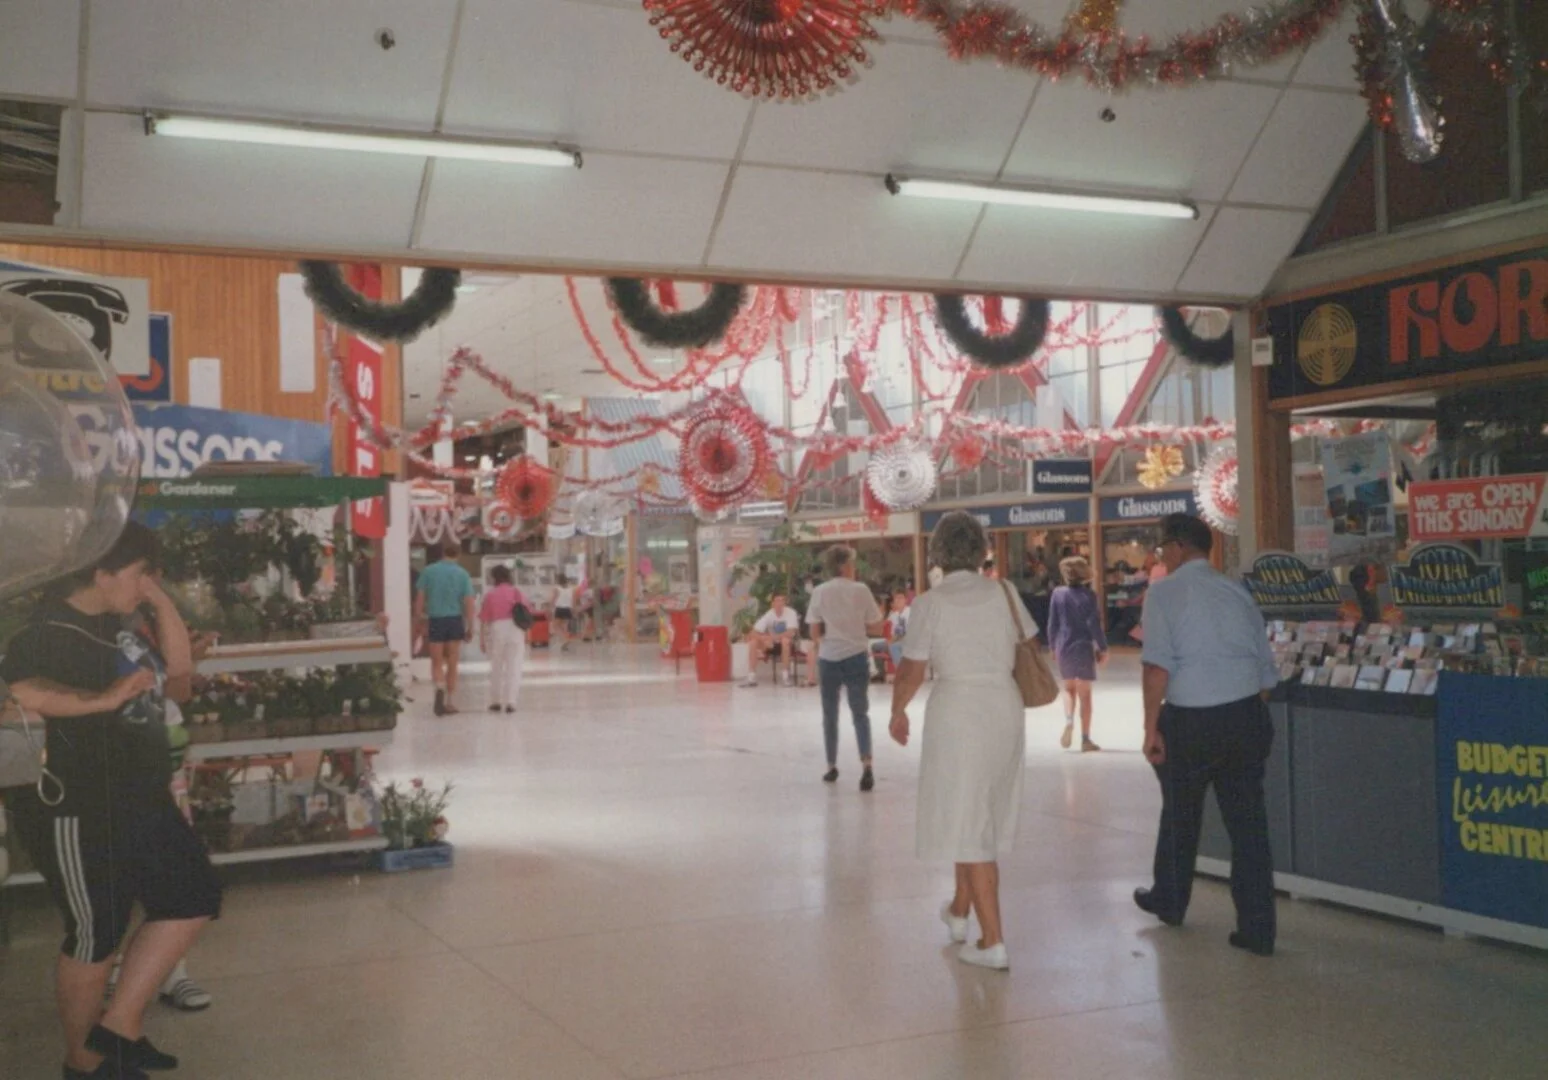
pixel 1216 352
pixel 427 305
pixel 998 351
pixel 693 329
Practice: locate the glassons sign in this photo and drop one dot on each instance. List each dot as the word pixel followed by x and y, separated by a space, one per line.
pixel 1489 313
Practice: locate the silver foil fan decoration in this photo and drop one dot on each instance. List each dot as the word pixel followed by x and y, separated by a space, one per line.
pixel 1416 116
pixel 596 513
pixel 902 477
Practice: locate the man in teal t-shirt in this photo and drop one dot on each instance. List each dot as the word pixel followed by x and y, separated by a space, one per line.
pixel 443 601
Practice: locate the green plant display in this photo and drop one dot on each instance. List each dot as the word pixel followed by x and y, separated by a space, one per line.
pixel 416 816
pixel 781 567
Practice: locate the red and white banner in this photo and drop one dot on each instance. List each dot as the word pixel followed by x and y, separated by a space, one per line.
pixel 363 369
pixel 1480 508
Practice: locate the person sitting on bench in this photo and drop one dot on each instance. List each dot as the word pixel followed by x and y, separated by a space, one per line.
pixel 779 629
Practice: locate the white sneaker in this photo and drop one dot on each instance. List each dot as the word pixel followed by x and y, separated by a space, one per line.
pixel 787 679
pixel 751 680
pixel 958 927
pixel 996 957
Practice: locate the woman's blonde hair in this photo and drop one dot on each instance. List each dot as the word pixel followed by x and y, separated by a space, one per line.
pixel 1076 570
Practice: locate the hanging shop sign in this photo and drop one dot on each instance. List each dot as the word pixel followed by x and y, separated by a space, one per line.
pixel 1357 477
pixel 1061 476
pixel 1479 508
pixel 1491 778
pixel 432 494
pixel 176 439
pixel 363 369
pixel 1280 581
pixel 1447 576
pixel 856 527
pixel 155 387
pixel 1146 507
pixel 1488 313
pixel 112 313
pixel 254 492
pixel 1026 515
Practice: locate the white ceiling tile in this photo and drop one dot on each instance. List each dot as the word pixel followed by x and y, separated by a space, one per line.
pixel 616 210
pixel 838 224
pixel 283 58
pixel 1076 255
pixel 227 193
pixel 1188 141
pixel 915 109
pixel 39 46
pixel 1242 251
pixel 1330 61
pixel 599 76
pixel 1301 150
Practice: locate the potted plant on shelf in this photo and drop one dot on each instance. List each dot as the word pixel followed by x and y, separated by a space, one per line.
pixel 414 823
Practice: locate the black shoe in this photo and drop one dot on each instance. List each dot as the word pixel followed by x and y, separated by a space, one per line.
pixel 1144 899
pixel 108 1070
pixel 135 1053
pixel 867 780
pixel 494 708
pixel 510 708
pixel 831 775
pixel 440 703
pixel 1256 946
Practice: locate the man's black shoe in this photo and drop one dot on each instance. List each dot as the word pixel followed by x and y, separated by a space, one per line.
pixel 1144 900
pixel 135 1053
pixel 1256 946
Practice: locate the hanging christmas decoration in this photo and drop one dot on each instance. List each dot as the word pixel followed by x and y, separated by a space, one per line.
pixel 1389 58
pixel 875 510
pixel 665 327
pixel 1161 464
pixel 430 302
pixel 501 521
pixel 1091 46
pixel 723 455
pixel 526 487
pixel 778 50
pixel 1000 347
pixel 649 483
pixel 1216 352
pixel 902 476
pixel 597 513
pixel 967 452
pixel 1215 486
pixel 772 486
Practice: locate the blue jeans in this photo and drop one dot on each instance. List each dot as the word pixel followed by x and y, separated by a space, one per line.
pixel 853 675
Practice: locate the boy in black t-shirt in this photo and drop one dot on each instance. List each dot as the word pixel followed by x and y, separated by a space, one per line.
pixel 105 832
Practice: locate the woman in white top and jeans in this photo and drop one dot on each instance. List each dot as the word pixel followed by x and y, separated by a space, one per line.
pixel 970 772
pixel 844 617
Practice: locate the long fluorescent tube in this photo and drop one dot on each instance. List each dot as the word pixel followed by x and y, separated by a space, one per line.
pixel 322 138
pixel 1043 199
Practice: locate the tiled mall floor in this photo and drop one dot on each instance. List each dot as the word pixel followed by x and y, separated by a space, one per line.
pixel 652 882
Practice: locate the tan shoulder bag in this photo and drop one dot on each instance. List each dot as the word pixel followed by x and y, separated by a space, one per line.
pixel 1037 684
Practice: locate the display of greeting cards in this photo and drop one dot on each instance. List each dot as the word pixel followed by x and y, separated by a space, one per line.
pixel 1344 676
pixel 1399 681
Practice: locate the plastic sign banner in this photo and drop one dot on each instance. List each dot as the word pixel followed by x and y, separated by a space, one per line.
pixel 1281 581
pixel 1480 508
pixel 1447 576
pixel 176 439
pixel 363 369
pixel 1031 515
pixel 156 387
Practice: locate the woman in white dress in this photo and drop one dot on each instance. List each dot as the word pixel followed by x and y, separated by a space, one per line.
pixel 970 776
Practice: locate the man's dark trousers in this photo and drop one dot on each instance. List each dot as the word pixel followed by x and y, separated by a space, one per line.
pixel 1226 746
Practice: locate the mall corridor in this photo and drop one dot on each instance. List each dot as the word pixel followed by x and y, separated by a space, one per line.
pixel 652 881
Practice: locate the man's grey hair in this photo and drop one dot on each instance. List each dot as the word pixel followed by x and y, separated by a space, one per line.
pixel 958 542
pixel 836 558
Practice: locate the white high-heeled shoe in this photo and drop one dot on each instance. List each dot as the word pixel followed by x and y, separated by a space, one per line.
pixel 958 927
pixel 994 957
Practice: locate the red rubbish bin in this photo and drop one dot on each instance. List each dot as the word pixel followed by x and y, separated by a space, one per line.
pixel 680 634
pixel 712 655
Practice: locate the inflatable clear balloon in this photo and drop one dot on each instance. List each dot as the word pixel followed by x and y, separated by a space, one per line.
pixel 69 453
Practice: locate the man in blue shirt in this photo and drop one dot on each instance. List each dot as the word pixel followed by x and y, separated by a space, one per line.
pixel 1207 670
pixel 443 603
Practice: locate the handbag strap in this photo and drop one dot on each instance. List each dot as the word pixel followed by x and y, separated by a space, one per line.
pixel 1021 634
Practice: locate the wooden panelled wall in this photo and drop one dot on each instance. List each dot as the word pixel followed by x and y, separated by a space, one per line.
pixel 225 306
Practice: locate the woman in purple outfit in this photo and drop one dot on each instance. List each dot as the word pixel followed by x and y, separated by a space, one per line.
pixel 1079 644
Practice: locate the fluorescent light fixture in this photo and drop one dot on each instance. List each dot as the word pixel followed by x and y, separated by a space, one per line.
pixel 308 136
pixel 552 395
pixel 1136 205
pixel 663 361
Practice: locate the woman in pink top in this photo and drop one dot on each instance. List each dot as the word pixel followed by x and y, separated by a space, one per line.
pixel 502 640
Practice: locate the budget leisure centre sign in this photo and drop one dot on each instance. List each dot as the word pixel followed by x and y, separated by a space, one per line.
pixel 1025 515
pixel 1488 313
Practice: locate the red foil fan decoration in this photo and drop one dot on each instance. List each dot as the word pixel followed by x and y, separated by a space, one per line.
pixel 724 456
pixel 778 50
pixel 968 452
pixel 526 487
